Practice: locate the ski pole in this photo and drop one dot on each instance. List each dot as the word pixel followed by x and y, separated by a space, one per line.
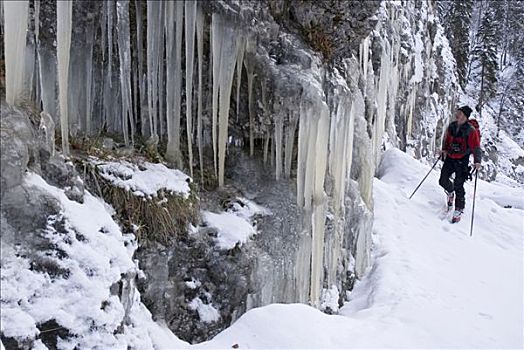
pixel 473 210
pixel 425 177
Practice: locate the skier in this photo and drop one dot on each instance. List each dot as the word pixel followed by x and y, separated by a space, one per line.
pixel 462 139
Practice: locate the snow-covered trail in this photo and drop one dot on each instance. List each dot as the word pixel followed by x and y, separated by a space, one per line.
pixel 431 285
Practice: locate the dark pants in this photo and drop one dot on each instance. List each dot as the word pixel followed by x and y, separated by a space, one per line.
pixel 460 168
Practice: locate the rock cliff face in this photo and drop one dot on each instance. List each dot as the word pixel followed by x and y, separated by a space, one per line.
pixel 292 105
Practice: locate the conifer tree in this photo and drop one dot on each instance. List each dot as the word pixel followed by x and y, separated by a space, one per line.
pixel 485 57
pixel 458 35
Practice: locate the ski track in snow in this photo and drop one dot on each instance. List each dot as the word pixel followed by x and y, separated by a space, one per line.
pixel 430 284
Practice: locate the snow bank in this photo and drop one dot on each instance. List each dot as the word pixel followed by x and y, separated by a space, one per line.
pixel 231 228
pixel 236 224
pixel 145 179
pixel 90 257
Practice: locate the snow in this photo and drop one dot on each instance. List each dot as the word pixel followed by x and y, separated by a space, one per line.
pixel 236 224
pixel 231 228
pixel 431 285
pixel 95 258
pixel 247 209
pixel 330 299
pixel 207 312
pixel 145 179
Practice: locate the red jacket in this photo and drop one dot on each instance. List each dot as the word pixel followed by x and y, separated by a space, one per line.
pixel 461 141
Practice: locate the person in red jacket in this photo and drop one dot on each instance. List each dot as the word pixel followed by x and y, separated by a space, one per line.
pixel 461 140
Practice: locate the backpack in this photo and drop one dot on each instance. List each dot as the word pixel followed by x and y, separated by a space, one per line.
pixel 475 124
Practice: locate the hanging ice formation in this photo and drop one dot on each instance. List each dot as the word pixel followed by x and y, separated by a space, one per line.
pixel 125 69
pixel 200 52
pixel 190 16
pixel 225 43
pixel 64 13
pixel 15 26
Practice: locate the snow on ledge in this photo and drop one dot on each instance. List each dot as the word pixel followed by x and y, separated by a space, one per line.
pixel 231 228
pixel 235 225
pixel 144 180
pixel 207 312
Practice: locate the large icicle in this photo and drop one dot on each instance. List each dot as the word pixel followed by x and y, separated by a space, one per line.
pixel 153 44
pixel 161 74
pixel 216 56
pixel 338 145
pixel 190 10
pixel 124 51
pixel 279 132
pixel 141 78
pixel 174 30
pixel 319 201
pixel 47 69
pixel 240 58
pixel 169 27
pixel 227 46
pixel 179 29
pixel 289 142
pixel 15 28
pixel 64 12
pixel 200 51
pixel 250 79
pixel 110 5
pixel 89 77
pixel 312 161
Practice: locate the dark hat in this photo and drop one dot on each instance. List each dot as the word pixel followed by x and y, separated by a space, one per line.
pixel 466 110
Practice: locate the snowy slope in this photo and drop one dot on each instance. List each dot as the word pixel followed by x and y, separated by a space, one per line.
pixel 96 255
pixel 430 285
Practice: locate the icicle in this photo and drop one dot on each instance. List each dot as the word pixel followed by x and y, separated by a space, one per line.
pixel 153 44
pixel 28 86
pixel 179 18
pixel 312 160
pixel 124 52
pixel 340 143
pixel 89 77
pixel 265 113
pixel 216 55
pixel 290 140
pixel 240 58
pixel 250 79
pixel 15 30
pixel 382 94
pixel 228 49
pixel 64 12
pixel 110 5
pixel 279 130
pixel 103 28
pixel 190 10
pixel 320 141
pixel 303 132
pixel 169 27
pixel 141 78
pixel 200 50
pixel 161 121
pixel 135 97
pixel 37 20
